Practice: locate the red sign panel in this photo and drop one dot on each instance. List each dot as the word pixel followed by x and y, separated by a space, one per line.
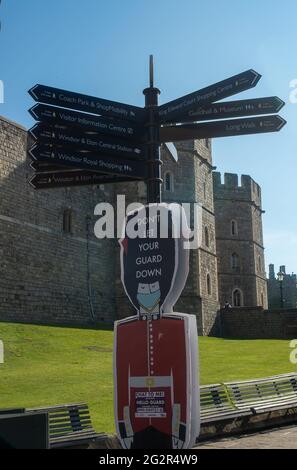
pixel 155 390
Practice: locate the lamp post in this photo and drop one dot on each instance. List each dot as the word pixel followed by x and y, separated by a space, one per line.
pixel 280 278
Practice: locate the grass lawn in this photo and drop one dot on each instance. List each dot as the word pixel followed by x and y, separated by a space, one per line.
pixel 51 365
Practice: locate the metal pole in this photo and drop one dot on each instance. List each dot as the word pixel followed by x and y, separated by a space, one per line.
pixel 154 180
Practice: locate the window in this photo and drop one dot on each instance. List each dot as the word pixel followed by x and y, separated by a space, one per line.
pixel 207 143
pixel 259 264
pixel 206 237
pixel 234 261
pixel 204 190
pixel 67 221
pixel 237 298
pixel 168 181
pixel 262 299
pixel 234 228
pixel 208 282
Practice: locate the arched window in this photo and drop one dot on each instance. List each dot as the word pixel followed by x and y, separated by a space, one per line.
pixel 234 261
pixel 234 228
pixel 206 236
pixel 67 221
pixel 208 283
pixel 168 181
pixel 237 298
pixel 259 264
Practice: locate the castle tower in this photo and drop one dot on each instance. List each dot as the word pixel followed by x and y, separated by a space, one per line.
pixel 190 181
pixel 271 272
pixel 241 266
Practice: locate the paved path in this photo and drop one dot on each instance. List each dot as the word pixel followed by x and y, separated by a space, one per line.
pixel 281 438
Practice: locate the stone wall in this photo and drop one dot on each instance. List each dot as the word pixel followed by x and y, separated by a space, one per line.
pixel 256 323
pixel 241 205
pixel 46 275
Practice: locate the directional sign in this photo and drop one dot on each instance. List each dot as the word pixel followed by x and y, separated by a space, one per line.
pixel 87 122
pixel 72 178
pixel 88 141
pixel 232 109
pixel 105 164
pixel 89 104
pixel 226 128
pixel 171 112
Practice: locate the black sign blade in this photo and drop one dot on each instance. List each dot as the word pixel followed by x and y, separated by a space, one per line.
pixel 87 122
pixel 233 109
pixel 43 167
pixel 86 160
pixel 72 138
pixel 89 104
pixel 72 178
pixel 172 111
pixel 234 127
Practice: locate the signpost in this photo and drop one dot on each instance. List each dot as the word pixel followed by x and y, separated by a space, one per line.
pixel 173 111
pixel 97 143
pixel 87 122
pixel 83 140
pixel 227 128
pixel 105 164
pixel 233 109
pixel 89 104
pixel 61 179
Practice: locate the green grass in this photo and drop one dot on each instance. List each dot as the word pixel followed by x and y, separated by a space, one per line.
pixel 52 365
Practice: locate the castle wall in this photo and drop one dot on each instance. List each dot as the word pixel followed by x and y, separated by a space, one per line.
pixel 46 275
pixel 242 205
pixel 256 323
pixel 193 183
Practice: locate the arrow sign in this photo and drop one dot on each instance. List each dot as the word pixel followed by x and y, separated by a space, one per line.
pixel 107 164
pixel 232 109
pixel 86 122
pixel 226 128
pixel 72 178
pixel 89 104
pixel 98 143
pixel 43 167
pixel 172 111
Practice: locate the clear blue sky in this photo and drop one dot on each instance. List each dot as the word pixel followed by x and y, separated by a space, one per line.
pixel 101 48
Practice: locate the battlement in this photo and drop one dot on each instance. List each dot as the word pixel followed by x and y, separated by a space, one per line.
pixel 4 120
pixel 229 187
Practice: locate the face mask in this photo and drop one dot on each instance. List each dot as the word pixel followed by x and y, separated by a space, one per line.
pixel 147 299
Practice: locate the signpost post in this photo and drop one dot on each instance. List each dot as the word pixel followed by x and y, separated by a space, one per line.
pixel 83 140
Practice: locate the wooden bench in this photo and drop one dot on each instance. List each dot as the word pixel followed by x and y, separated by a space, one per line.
pixel 69 425
pixel 215 404
pixel 261 395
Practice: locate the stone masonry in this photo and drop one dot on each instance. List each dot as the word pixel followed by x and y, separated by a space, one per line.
pixel 52 272
pixel 239 234
pixel 47 275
